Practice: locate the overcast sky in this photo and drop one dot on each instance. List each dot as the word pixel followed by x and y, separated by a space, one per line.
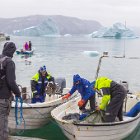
pixel 106 12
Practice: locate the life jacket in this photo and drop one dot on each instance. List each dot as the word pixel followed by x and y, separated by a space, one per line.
pixel 102 82
pixel 39 85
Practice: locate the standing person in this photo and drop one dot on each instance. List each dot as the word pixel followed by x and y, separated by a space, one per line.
pixel 30 46
pixel 39 83
pixel 26 46
pixel 7 86
pixel 113 95
pixel 84 87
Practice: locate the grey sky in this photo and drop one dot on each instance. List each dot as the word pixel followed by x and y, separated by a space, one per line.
pixel 106 12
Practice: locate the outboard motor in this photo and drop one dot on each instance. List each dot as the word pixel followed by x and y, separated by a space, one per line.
pixel 125 85
pixel 60 85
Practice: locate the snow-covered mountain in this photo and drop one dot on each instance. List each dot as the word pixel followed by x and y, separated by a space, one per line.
pixel 40 25
pixel 118 30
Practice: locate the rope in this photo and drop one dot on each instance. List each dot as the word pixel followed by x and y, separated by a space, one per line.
pixel 19 115
pixel 47 117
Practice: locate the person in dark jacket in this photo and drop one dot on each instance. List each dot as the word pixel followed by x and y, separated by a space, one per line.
pixel 7 87
pixel 84 87
pixel 30 45
pixel 113 95
pixel 39 83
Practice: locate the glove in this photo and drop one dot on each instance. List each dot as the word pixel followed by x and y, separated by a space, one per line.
pixel 97 108
pixel 81 103
pixel 66 96
pixel 35 94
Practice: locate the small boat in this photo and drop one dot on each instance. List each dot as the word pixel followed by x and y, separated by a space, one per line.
pixel 76 129
pixel 3 37
pixel 37 114
pixel 79 130
pixel 25 52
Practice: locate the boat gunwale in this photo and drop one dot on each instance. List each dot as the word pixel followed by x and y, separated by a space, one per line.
pixel 109 124
pixel 28 107
pixel 44 104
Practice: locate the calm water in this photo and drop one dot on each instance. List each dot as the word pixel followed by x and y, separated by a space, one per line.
pixel 65 56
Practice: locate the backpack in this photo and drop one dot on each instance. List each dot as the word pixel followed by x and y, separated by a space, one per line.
pixel 2 71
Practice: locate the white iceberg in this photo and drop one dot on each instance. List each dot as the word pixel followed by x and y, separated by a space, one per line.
pixel 67 35
pixel 118 30
pixel 46 28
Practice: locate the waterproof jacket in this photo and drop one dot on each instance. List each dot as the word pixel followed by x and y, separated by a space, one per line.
pixel 39 83
pixel 9 82
pixel 108 89
pixel 85 88
pixel 134 110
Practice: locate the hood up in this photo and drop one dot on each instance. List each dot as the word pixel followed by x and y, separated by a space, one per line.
pixel 76 78
pixel 9 49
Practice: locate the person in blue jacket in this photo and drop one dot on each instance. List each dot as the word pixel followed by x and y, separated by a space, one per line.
pixel 38 84
pixel 84 87
pixel 134 111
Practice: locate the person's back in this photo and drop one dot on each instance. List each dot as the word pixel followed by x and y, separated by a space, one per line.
pixel 8 85
pixel 113 95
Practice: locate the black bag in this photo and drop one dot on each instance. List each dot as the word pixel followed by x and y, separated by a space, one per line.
pixel 2 71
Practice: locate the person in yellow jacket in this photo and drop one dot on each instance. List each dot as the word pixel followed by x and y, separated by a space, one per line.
pixel 38 84
pixel 113 95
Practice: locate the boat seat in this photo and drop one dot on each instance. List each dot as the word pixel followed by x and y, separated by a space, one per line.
pixel 125 118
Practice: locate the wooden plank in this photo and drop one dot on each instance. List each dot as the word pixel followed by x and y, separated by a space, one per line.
pixel 23 138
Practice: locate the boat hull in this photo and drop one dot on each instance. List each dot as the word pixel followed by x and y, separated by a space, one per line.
pixel 24 52
pixel 35 115
pixel 89 131
pixel 111 132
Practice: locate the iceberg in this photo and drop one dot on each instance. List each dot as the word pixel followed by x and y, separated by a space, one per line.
pixel 46 28
pixel 91 53
pixel 118 30
pixel 67 35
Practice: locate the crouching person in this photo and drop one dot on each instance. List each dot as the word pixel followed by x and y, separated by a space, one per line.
pixel 84 87
pixel 113 95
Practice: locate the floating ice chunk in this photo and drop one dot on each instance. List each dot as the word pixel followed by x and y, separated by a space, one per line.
pixel 91 53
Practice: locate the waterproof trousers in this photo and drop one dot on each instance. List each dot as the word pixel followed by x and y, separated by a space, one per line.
pixel 39 98
pixel 5 106
pixel 115 108
pixel 92 103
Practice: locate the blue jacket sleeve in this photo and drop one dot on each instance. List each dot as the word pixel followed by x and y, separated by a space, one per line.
pixel 73 89
pixel 88 90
